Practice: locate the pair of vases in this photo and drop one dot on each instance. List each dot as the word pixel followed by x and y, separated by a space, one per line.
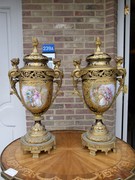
pixel 36 94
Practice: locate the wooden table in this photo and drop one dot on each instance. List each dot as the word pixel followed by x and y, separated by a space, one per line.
pixel 70 161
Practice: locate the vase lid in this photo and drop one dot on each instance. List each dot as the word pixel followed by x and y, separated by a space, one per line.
pixel 98 55
pixel 35 56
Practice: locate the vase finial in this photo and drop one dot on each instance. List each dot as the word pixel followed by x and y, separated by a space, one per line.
pixel 35 44
pixel 98 44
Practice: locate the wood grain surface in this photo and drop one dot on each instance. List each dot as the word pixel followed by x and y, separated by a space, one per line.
pixel 70 161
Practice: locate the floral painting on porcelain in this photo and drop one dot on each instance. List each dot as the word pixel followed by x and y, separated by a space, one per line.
pixel 102 95
pixel 34 96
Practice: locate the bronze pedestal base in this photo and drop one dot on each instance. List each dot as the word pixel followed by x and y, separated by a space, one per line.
pixel 36 149
pixel 38 139
pixel 94 146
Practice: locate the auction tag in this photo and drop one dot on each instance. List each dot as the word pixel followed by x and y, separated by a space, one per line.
pixel 11 172
pixel 48 48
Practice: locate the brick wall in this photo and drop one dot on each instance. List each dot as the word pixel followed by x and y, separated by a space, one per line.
pixel 72 25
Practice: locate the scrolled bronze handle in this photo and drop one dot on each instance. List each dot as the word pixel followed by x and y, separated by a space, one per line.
pixel 58 74
pixel 75 78
pixel 13 75
pixel 120 77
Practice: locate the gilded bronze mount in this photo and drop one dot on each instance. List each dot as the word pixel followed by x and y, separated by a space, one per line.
pixel 99 92
pixel 36 81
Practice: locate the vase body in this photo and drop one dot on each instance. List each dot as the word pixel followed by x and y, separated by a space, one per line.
pixel 99 90
pixel 99 93
pixel 36 96
pixel 36 88
pixel 36 81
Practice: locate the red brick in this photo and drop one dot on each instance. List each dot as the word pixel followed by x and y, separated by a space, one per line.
pixel 79 38
pixel 31 7
pixel 99 1
pixel 109 25
pixel 74 45
pixel 110 5
pixel 69 70
pixel 67 88
pixel 94 7
pixel 69 82
pixel 110 50
pixel 90 117
pixel 53 32
pixel 65 111
pixel 94 20
pixel 73 19
pixel 63 1
pixel 26 13
pixel 29 118
pixel 74 117
pixel 84 26
pixel 27 45
pixel 52 19
pixel 42 1
pixel 28 32
pixel 32 20
pixel 49 123
pixel 82 111
pixel 49 112
pixel 26 1
pixel 30 123
pixel 84 13
pixel 60 56
pixel 64 100
pixel 57 6
pixel 110 18
pixel 100 13
pixel 94 32
pixel 83 122
pixel 27 26
pixel 59 45
pixel 78 99
pixel 67 75
pixel 110 31
pixel 74 32
pixel 99 26
pixel 110 11
pixel 64 123
pixel 89 45
pixel 63 26
pixel 73 106
pixel 41 13
pixel 73 7
pixel 57 106
pixel 84 1
pixel 61 38
pixel 42 26
pixel 82 51
pixel 64 51
pixel 45 39
pixel 55 117
pixel 63 13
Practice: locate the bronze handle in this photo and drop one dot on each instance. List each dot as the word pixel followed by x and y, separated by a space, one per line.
pixel 121 74
pixel 14 77
pixel 75 78
pixel 59 76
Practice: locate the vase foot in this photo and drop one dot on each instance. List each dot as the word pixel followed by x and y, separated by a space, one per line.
pixel 36 148
pixel 95 146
